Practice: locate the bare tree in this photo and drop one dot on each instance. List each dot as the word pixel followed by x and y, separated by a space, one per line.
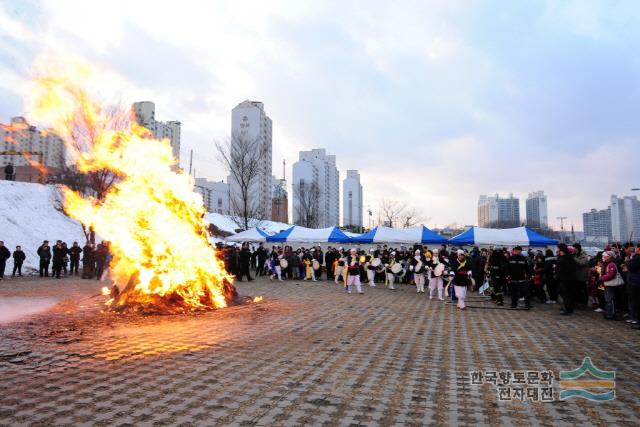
pixel 391 211
pixel 81 132
pixel 307 210
pixel 411 216
pixel 394 212
pixel 242 159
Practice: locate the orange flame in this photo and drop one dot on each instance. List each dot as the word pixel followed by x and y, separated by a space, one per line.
pixel 162 258
pixel 257 299
pixel 36 164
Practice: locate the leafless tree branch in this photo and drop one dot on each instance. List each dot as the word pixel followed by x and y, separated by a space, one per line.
pixel 307 210
pixel 241 157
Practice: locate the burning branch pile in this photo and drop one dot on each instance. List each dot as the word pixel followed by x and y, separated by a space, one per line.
pixel 162 259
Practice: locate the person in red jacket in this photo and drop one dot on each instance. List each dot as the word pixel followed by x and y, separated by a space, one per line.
pixel 612 282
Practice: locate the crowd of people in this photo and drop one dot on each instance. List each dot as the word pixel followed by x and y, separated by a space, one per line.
pixel 608 282
pixel 61 260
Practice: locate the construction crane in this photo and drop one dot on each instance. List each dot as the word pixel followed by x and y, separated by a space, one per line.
pixel 28 153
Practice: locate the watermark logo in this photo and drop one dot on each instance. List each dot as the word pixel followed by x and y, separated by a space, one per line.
pixel 533 386
pixel 601 388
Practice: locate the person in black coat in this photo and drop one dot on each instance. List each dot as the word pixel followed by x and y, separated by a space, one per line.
pixel 329 258
pixel 566 276
pixel 59 253
pixel 550 276
pixel 261 255
pixel 44 252
pixel 518 276
pixel 100 257
pixel 244 263
pixel 88 261
pixel 5 254
pixel 497 275
pixel 477 263
pixel 65 259
pixel 18 260
pixel 74 258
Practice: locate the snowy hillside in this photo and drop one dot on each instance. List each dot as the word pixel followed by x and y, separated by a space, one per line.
pixel 226 223
pixel 28 215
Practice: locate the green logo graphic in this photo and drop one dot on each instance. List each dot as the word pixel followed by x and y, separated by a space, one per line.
pixel 601 388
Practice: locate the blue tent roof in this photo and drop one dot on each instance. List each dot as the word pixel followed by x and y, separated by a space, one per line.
pixel 429 236
pixel 281 236
pixel 521 236
pixel 537 239
pixel 464 238
pixel 365 237
pixel 418 234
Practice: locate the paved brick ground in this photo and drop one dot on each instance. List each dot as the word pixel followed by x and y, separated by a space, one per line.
pixel 308 355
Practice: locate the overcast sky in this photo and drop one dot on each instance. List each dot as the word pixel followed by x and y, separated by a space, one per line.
pixel 434 102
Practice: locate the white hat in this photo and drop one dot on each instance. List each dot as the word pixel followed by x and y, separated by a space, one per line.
pixel 460 252
pixel 354 250
pixel 417 251
pixel 435 252
pixel 371 250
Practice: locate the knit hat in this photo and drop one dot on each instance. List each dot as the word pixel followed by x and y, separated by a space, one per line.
pixel 609 254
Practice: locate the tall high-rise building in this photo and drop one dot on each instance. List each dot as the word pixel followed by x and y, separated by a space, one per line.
pixel 497 212
pixel 145 115
pixel 215 195
pixel 625 218
pixel 250 122
pixel 31 153
pixel 487 211
pixel 597 225
pixel 352 200
pixel 316 189
pixel 537 216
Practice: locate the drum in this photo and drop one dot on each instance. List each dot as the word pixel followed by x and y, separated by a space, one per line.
pixel 418 267
pixel 284 263
pixel 396 268
pixel 316 264
pixel 376 262
pixel 438 270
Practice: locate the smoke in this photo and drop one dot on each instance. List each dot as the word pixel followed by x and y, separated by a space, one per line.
pixel 14 308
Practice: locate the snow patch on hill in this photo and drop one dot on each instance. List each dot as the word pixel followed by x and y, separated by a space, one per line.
pixel 30 213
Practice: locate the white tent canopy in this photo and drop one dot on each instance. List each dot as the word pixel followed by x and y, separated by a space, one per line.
pixel 297 234
pixel 251 235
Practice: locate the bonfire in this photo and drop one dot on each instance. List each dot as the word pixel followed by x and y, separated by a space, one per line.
pixel 162 261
